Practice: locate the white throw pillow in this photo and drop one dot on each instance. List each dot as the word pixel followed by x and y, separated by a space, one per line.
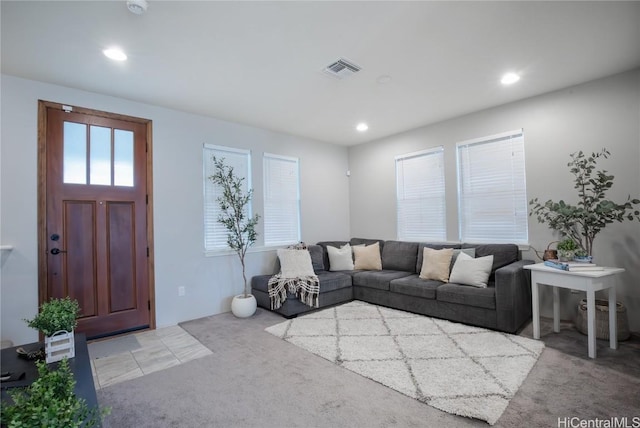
pixel 435 264
pixel 470 271
pixel 295 263
pixel 340 258
pixel 468 251
pixel 367 258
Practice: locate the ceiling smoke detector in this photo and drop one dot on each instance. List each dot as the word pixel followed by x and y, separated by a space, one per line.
pixel 137 6
pixel 341 68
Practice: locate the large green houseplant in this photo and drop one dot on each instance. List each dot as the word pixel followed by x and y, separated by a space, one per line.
pixel 241 227
pixel 50 402
pixel 593 211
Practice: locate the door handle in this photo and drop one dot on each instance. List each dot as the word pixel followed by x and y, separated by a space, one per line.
pixel 56 251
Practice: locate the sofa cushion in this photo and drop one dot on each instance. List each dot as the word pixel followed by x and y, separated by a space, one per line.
pixel 361 241
pixel 379 279
pixel 470 271
pixel 436 264
pixel 340 258
pixel 331 281
pixel 295 263
pixel 317 259
pixel 413 285
pixel 465 295
pixel 468 251
pixel 325 255
pixel 260 282
pixel 436 246
pixel 503 254
pixel 367 257
pixel 399 255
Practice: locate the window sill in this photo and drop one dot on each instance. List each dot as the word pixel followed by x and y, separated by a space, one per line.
pixel 228 252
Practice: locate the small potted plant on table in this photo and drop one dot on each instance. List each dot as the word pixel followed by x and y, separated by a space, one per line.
pixel 56 320
pixel 567 249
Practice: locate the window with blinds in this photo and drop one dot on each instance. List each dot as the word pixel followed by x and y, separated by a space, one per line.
pixel 420 196
pixel 492 194
pixel 215 234
pixel 281 200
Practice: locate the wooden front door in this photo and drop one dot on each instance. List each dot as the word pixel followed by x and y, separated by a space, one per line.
pixel 95 217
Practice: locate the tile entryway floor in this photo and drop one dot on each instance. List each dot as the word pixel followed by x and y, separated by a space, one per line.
pixel 134 355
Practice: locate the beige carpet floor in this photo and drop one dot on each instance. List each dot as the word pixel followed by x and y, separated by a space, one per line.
pixel 254 379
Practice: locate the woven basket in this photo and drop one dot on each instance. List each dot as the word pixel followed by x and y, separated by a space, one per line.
pixel 602 319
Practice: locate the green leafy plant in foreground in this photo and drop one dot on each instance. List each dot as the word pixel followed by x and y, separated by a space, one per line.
pixel 583 221
pixel 56 315
pixel 50 402
pixel 241 229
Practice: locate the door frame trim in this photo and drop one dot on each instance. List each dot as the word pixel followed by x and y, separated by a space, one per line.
pixel 42 197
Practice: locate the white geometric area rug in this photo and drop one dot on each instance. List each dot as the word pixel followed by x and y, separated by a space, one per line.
pixel 464 370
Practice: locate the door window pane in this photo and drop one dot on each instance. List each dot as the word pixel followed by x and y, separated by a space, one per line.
pixel 123 158
pixel 75 153
pixel 100 155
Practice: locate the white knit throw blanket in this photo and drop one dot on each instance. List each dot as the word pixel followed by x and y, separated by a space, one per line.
pixel 305 288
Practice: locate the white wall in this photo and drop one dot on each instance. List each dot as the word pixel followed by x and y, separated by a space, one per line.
pixel 178 214
pixel 602 113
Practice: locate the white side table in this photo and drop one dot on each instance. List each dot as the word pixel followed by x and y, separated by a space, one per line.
pixel 590 282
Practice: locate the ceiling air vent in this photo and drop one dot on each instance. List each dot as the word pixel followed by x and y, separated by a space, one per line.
pixel 341 69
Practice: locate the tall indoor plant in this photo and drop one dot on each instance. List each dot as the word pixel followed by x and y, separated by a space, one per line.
pixel 593 211
pixel 241 228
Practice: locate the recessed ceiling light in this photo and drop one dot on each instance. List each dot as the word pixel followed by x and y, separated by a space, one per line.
pixel 115 54
pixel 361 127
pixel 509 78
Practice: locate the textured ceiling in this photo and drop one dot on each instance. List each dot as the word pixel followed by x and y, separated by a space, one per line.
pixel 259 63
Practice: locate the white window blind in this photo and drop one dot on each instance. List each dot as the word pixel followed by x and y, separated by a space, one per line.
pixel 492 194
pixel 281 200
pixel 215 234
pixel 420 196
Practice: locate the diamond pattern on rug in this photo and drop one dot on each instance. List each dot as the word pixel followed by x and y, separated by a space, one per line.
pixel 460 369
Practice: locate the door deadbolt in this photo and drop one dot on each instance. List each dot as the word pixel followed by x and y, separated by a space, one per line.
pixel 55 237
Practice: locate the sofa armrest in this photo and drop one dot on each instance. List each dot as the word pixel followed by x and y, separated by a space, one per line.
pixel 513 295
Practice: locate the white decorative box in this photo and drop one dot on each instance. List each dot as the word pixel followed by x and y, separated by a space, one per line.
pixel 60 345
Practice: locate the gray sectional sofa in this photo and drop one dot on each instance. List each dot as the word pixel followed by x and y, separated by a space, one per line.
pixel 505 304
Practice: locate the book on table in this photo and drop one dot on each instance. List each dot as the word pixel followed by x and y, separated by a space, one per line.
pixel 573 266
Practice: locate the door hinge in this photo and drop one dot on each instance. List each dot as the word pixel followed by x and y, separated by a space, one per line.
pixel 147 251
pixel 147 199
pixel 149 304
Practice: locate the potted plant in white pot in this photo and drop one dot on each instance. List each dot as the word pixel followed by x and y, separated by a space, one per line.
pixel 241 227
pixel 57 320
